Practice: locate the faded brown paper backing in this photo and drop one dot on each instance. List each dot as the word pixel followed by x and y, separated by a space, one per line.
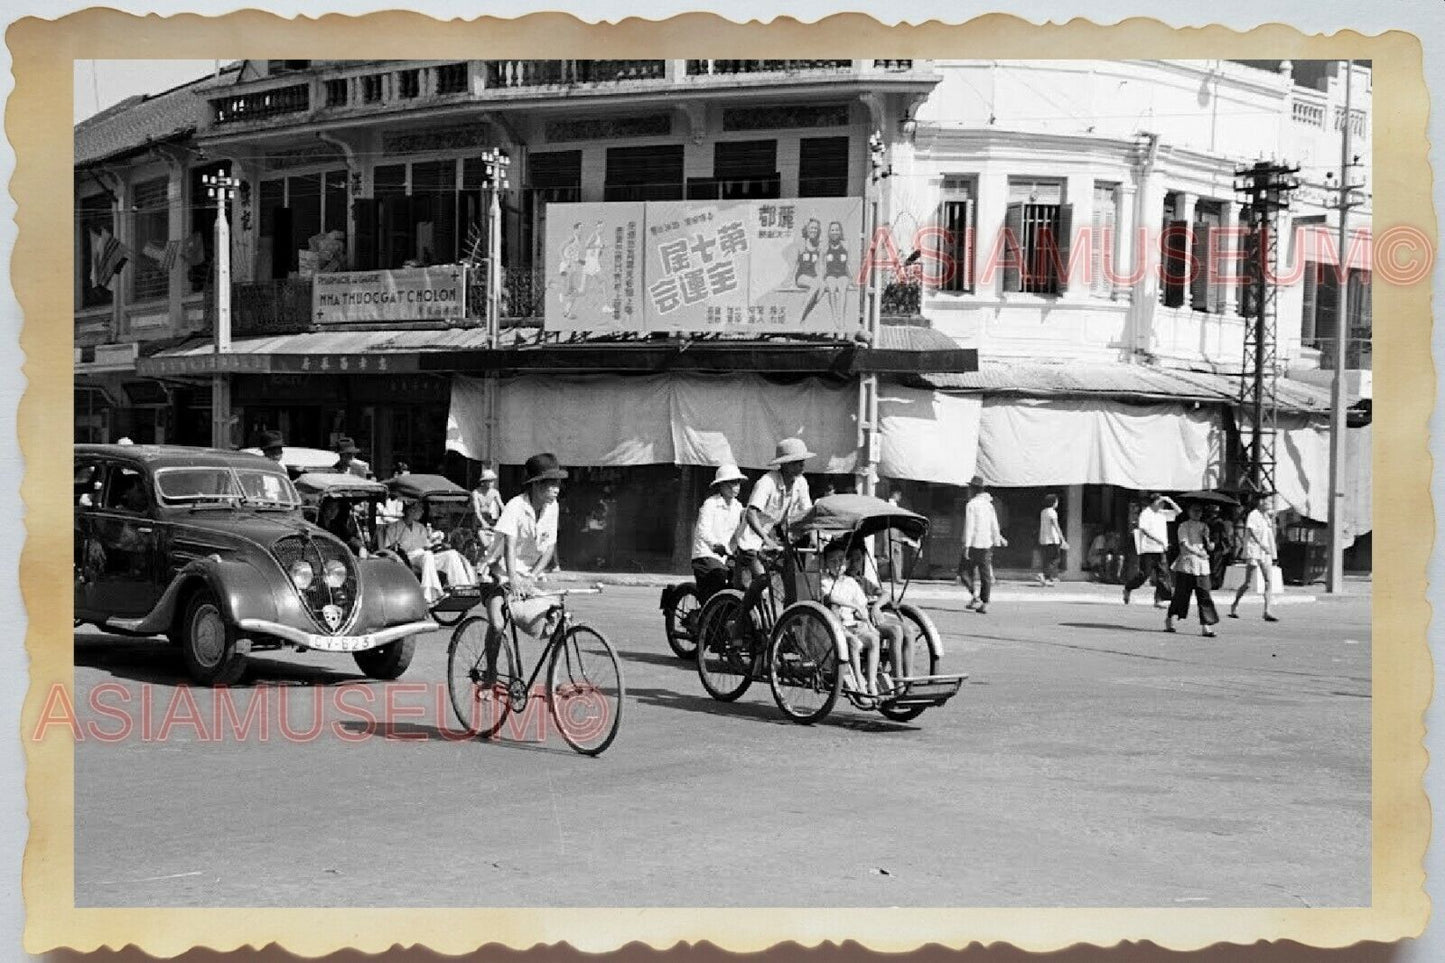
pixel 38 123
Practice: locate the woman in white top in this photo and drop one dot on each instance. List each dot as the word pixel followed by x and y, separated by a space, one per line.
pixel 1191 572
pixel 717 523
pixel 1259 552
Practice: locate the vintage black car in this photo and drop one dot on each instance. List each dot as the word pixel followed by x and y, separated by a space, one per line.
pixel 210 549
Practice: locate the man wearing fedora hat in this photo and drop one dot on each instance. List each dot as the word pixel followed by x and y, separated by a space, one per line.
pixel 346 463
pixel 526 541
pixel 272 445
pixel 717 523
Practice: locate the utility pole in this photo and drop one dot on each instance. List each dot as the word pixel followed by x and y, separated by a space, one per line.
pixel 496 165
pixel 1335 576
pixel 869 441
pixel 221 188
pixel 1268 188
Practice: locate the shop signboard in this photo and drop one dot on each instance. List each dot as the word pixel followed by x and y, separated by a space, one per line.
pixel 764 267
pixel 371 297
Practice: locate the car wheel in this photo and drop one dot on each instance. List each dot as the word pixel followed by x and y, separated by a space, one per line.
pixel 208 643
pixel 386 661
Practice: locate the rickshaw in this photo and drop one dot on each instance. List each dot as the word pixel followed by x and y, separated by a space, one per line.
pixel 792 640
pixel 359 496
pixel 447 507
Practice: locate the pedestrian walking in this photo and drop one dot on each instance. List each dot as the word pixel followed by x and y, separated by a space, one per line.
pixel 1151 548
pixel 1259 552
pixel 1051 540
pixel 1221 538
pixel 981 536
pixel 1191 573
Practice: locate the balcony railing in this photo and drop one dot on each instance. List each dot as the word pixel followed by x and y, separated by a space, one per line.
pixel 271 307
pixel 263 104
pixel 706 67
pixel 542 73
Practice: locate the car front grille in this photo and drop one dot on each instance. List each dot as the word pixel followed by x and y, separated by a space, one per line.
pixel 316 552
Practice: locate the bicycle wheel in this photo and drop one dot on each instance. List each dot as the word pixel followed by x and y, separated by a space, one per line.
pixel 584 683
pixel 724 663
pixel 481 705
pixel 803 666
pixel 681 621
pixel 919 645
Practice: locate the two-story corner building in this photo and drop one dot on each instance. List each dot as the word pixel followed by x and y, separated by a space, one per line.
pixel 1135 165
pixel 380 166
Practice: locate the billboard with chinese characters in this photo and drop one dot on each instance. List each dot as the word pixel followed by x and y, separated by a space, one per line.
pixel 410 294
pixel 775 266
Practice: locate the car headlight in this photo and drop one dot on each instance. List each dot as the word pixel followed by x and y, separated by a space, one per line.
pixel 334 574
pixel 301 574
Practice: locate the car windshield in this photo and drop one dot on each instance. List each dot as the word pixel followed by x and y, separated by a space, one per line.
pixel 224 484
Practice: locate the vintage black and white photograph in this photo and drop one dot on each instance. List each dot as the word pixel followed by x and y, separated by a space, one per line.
pixel 722 483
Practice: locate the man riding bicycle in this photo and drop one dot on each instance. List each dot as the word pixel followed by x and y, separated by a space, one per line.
pixel 780 498
pixel 717 523
pixel 526 542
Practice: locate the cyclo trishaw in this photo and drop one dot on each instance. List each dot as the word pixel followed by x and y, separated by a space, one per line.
pixel 447 507
pixel 357 495
pixel 794 642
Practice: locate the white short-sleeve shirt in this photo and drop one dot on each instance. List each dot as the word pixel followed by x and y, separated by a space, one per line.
pixel 717 522
pixel 776 503
pixel 531 535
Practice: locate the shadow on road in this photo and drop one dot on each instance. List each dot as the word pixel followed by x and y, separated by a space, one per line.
pixel 413 732
pixel 658 658
pixel 157 662
pixel 1111 626
pixel 760 712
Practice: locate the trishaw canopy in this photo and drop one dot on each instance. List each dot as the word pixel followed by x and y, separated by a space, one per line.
pixel 863 515
pixel 425 486
pixel 307 459
pixel 339 485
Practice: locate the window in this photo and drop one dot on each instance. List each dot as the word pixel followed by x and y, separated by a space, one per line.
pixel 334 201
pixel 152 211
pixel 336 93
pixel 1206 293
pixel 1039 225
pixel 1321 309
pixel 285 66
pixel 371 89
pixel 452 78
pixel 434 212
pixel 297 208
pixel 956 244
pixel 746 170
pixel 1103 239
pixel 126 490
pixel 552 177
pixel 651 173
pixel 409 84
pixel 96 222
pixel 823 167
pixel 1173 253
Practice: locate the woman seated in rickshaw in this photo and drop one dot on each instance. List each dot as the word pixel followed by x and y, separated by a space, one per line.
pixel 337 516
pixel 424 549
pixel 845 597
pixel 889 626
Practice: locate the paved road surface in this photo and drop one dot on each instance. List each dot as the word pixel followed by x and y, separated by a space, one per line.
pixel 1090 760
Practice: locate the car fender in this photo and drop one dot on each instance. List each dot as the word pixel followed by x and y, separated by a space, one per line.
pixel 240 589
pixel 391 594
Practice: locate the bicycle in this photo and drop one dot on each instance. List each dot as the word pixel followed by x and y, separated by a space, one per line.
pixel 584 677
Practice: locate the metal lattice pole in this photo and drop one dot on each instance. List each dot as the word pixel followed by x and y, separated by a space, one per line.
pixel 1267 188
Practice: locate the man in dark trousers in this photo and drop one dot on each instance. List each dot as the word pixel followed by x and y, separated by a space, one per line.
pixel 1151 540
